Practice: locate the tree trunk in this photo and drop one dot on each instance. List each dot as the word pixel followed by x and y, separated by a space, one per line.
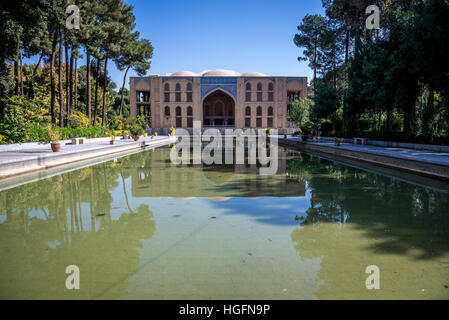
pixel 21 72
pixel 103 122
pixel 97 73
pixel 76 84
pixel 347 44
pixel 123 88
pixel 428 114
pixel 37 65
pixel 67 79
pixel 52 78
pixel 61 87
pixel 89 109
pixel 389 126
pixel 71 81
pixel 16 73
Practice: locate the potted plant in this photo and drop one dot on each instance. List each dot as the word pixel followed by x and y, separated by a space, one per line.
pixel 52 137
pixel 112 140
pixel 337 141
pixel 152 136
pixel 155 134
pixel 145 135
pixel 267 132
pixel 136 131
pixel 171 131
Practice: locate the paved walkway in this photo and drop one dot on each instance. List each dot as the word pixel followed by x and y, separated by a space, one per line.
pixel 44 151
pixel 399 153
pixel 34 157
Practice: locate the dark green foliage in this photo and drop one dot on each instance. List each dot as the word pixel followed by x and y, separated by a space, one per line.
pixel 391 84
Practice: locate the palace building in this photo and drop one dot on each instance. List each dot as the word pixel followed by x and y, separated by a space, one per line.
pixel 217 98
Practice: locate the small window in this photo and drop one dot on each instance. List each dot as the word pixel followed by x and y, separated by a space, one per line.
pixel 167 111
pixel 178 87
pixel 166 97
pixel 270 117
pixel 167 87
pixel 178 97
pixel 189 86
pixel 259 122
pixel 248 111
pixel 189 96
pixel 259 91
pixel 189 117
pixel 248 92
pixel 270 92
pixel 259 111
pixel 247 122
pixel 178 117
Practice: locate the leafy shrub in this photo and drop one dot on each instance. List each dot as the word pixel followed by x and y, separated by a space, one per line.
pixel 78 119
pixel 307 127
pixel 136 130
pixel 116 123
pixel 13 125
pixel 51 135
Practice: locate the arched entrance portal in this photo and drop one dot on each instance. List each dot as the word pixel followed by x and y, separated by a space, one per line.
pixel 218 110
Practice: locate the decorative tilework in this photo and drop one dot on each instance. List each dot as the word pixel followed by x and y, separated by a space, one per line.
pixel 253 78
pixel 289 79
pixel 232 89
pixel 137 79
pixel 218 80
pixel 177 78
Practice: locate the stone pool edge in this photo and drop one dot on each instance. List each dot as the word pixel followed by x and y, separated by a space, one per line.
pixel 53 160
pixel 434 171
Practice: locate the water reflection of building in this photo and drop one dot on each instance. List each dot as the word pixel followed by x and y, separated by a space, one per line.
pixel 161 178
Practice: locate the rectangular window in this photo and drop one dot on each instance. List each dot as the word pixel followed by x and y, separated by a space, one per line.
pixel 166 97
pixel 270 123
pixel 189 122
pixel 143 96
pixel 178 97
pixel 189 96
pixel 259 123
pixel 247 122
pixel 270 96
pixel 248 96
pixel 259 96
pixel 178 122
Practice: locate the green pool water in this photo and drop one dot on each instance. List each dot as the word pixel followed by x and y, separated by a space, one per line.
pixel 140 227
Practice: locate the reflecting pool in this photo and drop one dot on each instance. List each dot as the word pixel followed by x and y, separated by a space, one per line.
pixel 140 227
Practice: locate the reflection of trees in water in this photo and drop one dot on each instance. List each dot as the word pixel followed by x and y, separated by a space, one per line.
pixel 45 231
pixel 356 217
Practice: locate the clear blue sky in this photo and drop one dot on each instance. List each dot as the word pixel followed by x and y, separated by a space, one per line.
pixel 241 35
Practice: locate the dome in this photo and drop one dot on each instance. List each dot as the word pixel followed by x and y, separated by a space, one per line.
pixel 221 73
pixel 183 74
pixel 254 74
pixel 203 72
